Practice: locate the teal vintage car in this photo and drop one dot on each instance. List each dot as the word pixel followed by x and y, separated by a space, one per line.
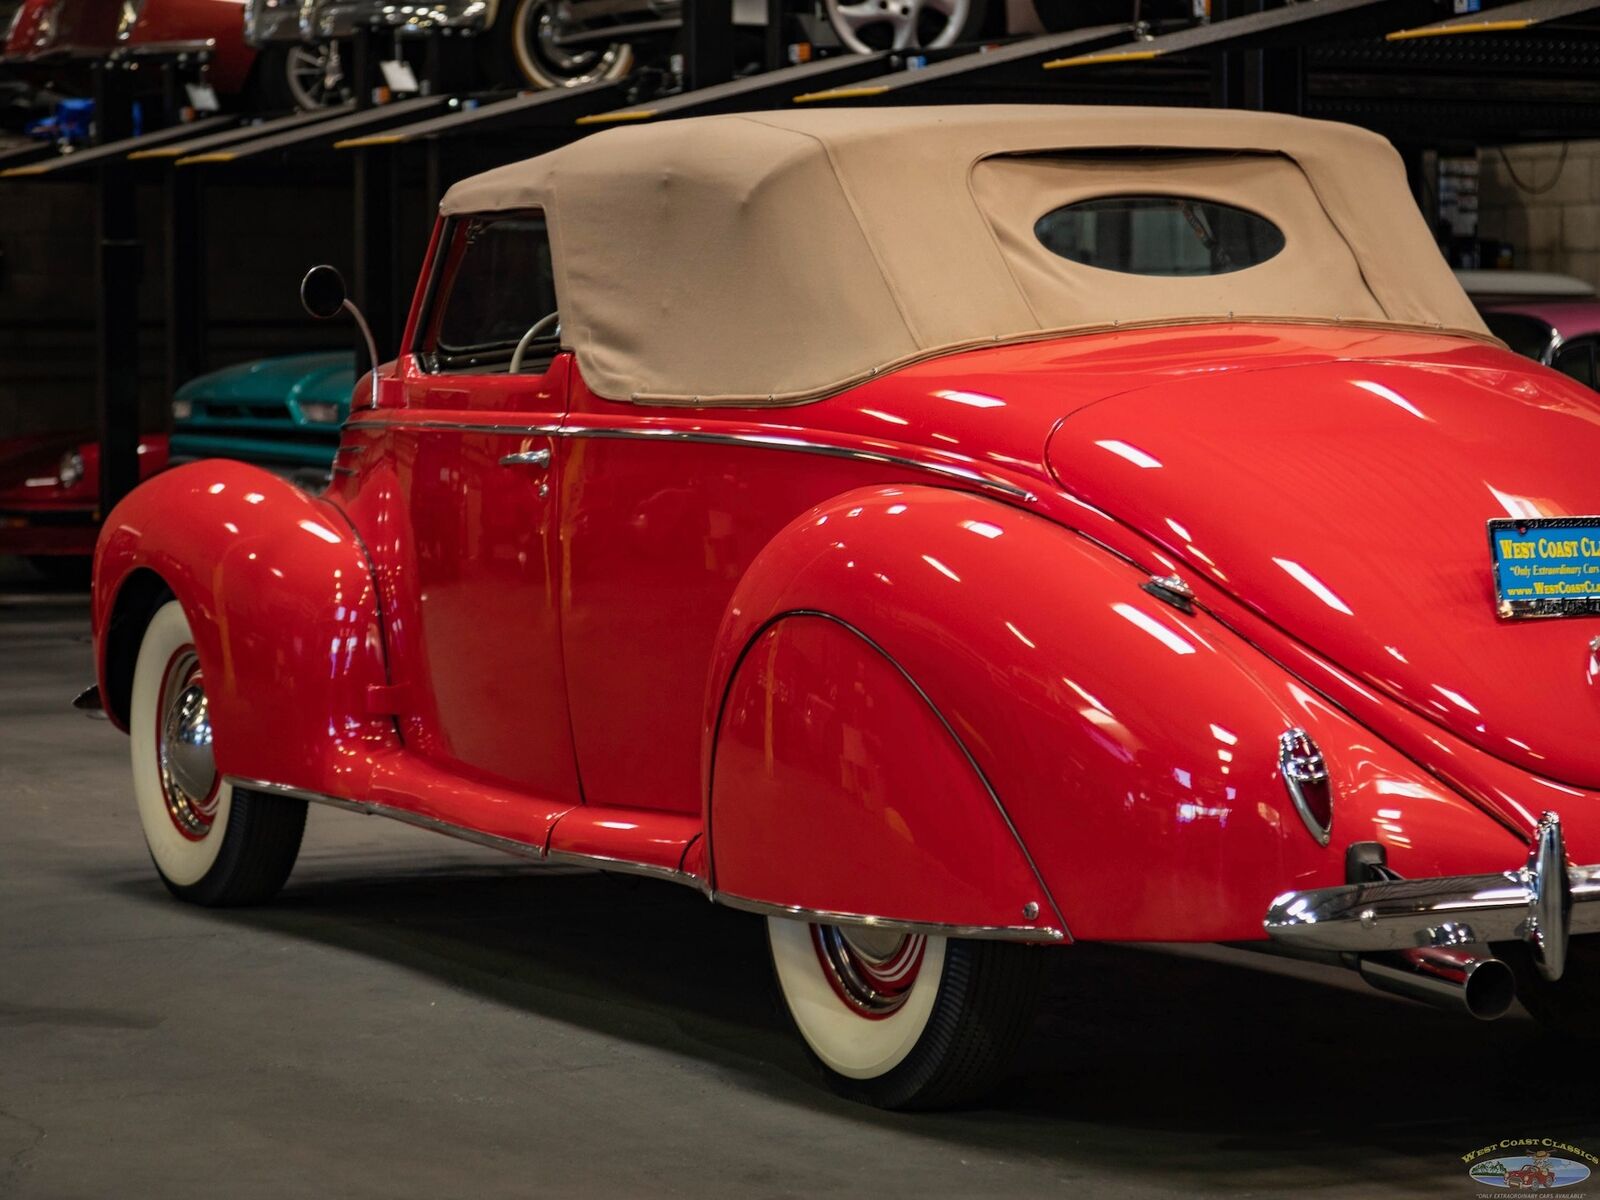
pixel 282 413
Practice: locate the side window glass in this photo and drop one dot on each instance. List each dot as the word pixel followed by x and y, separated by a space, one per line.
pixel 495 285
pixel 1576 359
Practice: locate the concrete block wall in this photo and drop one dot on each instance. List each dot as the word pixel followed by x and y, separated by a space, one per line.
pixel 1544 199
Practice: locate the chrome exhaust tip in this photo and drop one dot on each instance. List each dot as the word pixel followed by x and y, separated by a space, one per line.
pixel 1481 985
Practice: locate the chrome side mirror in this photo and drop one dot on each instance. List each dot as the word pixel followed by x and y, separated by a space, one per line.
pixel 323 295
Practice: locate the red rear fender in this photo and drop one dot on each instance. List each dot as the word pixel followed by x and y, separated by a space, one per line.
pixel 285 617
pixel 1133 746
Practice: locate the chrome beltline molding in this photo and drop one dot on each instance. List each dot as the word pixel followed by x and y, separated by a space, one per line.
pixel 765 441
pixel 1043 934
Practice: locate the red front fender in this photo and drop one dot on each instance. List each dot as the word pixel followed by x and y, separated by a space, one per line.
pixel 281 600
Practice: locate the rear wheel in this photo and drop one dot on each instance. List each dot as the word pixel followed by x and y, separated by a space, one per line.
pixel 903 1020
pixel 210 844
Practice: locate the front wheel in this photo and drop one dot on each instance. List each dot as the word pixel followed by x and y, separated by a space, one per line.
pixel 210 843
pixel 903 1020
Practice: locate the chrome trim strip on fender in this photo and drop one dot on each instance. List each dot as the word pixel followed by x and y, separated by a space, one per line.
pixel 939 716
pixel 758 440
pixel 1042 934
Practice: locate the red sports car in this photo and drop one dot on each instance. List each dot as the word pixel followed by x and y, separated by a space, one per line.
pixel 50 498
pixel 953 534
pixel 54 40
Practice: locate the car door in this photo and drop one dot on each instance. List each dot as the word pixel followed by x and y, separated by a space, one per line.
pixel 472 551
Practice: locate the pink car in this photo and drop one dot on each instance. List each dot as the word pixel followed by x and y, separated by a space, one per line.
pixel 1559 333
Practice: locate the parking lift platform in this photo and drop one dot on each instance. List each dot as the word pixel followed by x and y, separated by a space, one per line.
pixel 1002 68
pixel 80 162
pixel 291 136
pixel 205 143
pixel 561 115
pixel 1089 65
pixel 459 144
pixel 1548 15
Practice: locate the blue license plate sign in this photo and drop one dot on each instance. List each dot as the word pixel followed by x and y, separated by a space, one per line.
pixel 1546 566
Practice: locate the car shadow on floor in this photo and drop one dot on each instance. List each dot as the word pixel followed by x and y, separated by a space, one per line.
pixel 1212 1074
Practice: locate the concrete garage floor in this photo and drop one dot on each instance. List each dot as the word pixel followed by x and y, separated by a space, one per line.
pixel 416 1017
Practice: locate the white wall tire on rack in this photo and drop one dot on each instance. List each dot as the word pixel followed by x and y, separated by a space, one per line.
pixel 529 31
pixel 904 1020
pixel 210 844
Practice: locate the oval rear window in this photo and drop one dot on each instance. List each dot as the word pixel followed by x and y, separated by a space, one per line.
pixel 1158 235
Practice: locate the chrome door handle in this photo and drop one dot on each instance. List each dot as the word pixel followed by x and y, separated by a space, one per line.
pixel 527 458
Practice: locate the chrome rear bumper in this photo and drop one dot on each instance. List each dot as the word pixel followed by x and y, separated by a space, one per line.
pixel 1542 903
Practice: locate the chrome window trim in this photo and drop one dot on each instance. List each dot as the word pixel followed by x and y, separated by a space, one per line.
pixel 758 440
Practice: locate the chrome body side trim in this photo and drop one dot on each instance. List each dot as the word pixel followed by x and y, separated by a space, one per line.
pixel 626 866
pixel 1042 934
pixel 759 440
pixel 1541 903
pixel 510 845
pixel 1019 933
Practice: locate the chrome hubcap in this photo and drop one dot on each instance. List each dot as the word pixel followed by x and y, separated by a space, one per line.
pixel 183 747
pixel 872 970
pixel 569 68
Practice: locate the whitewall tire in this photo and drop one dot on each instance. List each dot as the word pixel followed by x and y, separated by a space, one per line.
pixel 904 1020
pixel 210 844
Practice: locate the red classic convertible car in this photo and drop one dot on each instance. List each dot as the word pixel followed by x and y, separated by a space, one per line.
pixel 50 498
pixel 950 533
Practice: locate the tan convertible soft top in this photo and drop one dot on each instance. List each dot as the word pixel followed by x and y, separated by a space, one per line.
pixel 775 257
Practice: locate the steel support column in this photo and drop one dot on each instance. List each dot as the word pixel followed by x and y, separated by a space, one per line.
pixel 117 268
pixel 184 259
pixel 707 43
